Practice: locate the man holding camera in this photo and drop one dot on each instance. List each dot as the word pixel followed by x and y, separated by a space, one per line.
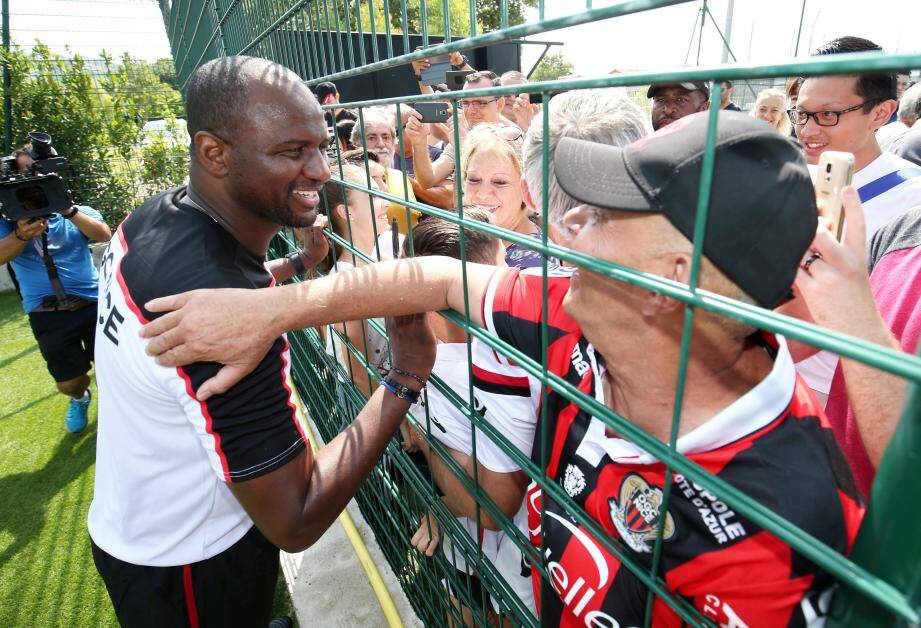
pixel 58 284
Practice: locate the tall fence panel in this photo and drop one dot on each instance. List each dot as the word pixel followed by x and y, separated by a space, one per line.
pixel 324 40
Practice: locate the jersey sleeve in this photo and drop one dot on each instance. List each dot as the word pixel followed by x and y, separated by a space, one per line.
pixel 505 396
pixel 513 309
pixel 253 428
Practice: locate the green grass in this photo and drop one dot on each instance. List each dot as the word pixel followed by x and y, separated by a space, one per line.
pixel 47 577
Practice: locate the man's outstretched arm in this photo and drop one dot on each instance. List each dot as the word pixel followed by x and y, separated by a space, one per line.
pixel 237 327
pixel 295 504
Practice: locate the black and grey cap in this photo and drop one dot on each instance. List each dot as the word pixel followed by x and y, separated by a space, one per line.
pixel 762 214
pixel 688 85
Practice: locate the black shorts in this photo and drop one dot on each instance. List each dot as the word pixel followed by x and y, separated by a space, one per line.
pixel 234 588
pixel 66 340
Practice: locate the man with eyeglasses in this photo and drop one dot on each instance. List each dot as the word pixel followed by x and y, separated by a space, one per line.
pixel 474 111
pixel 482 108
pixel 843 113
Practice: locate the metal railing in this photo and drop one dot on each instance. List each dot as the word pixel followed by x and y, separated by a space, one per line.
pixel 880 586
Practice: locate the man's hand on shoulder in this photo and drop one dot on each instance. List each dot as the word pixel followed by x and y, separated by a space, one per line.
pixel 230 326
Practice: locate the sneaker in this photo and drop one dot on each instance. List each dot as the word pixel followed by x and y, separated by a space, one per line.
pixel 76 413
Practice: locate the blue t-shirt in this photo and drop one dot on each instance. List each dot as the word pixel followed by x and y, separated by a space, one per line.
pixel 71 254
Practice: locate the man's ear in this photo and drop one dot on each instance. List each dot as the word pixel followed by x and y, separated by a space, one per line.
pixel 705 105
pixel 211 153
pixel 881 113
pixel 677 267
pixel 526 196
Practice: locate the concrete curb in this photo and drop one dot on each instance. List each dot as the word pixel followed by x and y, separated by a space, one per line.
pixel 329 588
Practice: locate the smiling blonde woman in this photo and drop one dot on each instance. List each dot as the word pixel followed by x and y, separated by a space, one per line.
pixel 769 106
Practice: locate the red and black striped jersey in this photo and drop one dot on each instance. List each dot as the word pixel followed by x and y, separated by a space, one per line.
pixel 773 443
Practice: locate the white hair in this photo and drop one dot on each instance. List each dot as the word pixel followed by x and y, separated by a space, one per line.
pixel 910 105
pixel 372 115
pixel 605 116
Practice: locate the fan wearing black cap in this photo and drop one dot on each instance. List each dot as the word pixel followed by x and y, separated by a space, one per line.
pixel 673 101
pixel 746 416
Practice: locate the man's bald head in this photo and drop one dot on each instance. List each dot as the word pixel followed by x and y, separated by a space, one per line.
pixel 218 94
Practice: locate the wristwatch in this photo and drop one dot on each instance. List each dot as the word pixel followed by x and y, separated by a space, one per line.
pixel 461 66
pixel 401 391
pixel 73 212
pixel 297 261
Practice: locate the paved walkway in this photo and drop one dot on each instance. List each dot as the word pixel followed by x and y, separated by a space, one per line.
pixel 329 588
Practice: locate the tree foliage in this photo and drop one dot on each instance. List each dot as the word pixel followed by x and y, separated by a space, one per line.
pixel 95 113
pixel 488 16
pixel 552 66
pixel 166 72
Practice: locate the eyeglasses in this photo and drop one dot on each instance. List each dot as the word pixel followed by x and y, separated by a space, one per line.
pixel 476 104
pixel 823 118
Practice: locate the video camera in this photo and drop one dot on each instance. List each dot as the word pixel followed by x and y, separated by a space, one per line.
pixel 38 192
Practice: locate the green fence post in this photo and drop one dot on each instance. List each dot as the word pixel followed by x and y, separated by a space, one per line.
pixel 7 99
pixel 891 522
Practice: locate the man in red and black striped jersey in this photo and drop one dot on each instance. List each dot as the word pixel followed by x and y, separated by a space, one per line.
pixel 195 494
pixel 746 417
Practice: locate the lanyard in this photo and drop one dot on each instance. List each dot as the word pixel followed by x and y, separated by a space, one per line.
pixel 886 182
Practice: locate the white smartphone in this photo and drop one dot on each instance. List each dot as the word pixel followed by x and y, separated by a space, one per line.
pixel 835 171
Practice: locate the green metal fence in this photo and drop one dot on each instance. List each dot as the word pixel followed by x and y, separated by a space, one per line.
pixel 880 583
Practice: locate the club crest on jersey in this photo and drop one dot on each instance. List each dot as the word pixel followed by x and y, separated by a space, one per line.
pixel 573 480
pixel 636 514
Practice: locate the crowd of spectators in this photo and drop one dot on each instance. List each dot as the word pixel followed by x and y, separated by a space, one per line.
pixel 773 417
pixel 501 176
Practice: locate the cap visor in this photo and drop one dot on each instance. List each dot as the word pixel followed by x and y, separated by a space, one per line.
pixel 597 175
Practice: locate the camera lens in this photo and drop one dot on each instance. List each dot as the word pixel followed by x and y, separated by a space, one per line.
pixel 828 168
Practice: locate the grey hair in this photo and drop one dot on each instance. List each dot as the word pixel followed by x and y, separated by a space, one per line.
pixel 373 115
pixel 513 75
pixel 605 116
pixel 910 104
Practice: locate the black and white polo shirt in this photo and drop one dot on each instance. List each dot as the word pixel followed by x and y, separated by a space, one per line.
pixel 164 459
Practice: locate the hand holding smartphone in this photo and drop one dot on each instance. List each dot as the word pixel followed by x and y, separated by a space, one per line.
pixel 835 171
pixel 455 79
pixel 433 111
